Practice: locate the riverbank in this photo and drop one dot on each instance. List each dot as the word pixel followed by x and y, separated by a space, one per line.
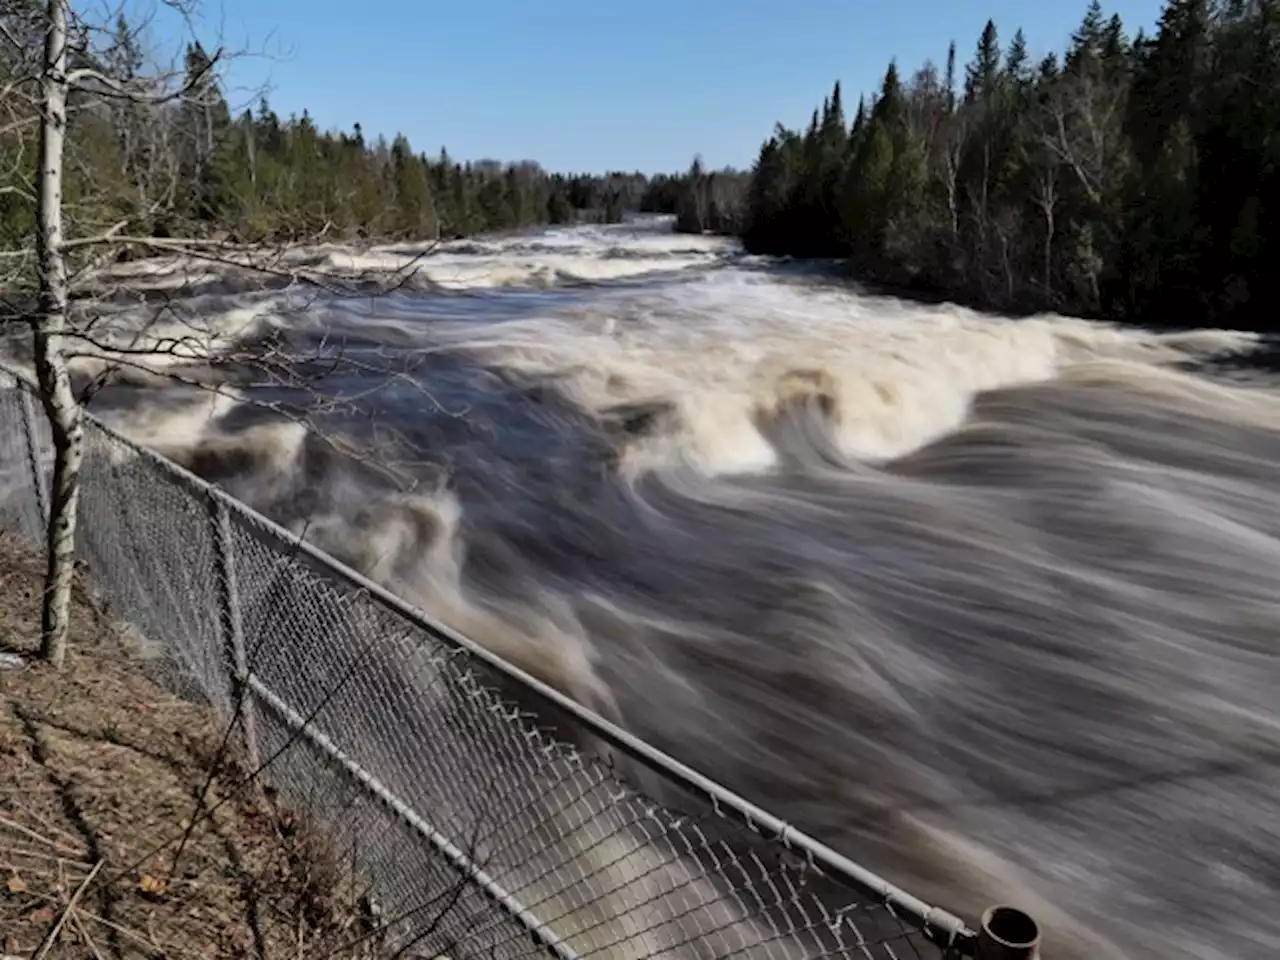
pixel 101 772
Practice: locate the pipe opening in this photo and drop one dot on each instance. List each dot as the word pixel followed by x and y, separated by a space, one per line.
pixel 1010 927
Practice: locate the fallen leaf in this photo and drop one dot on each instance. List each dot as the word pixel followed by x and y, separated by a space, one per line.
pixel 152 886
pixel 40 917
pixel 16 884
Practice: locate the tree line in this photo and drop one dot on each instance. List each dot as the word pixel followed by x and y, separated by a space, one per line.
pixel 179 162
pixel 1134 178
pixel 107 153
pixel 702 201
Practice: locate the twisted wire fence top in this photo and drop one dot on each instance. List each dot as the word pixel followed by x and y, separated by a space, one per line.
pixel 481 833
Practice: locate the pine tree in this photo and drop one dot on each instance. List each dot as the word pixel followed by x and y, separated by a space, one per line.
pixel 1120 178
pixel 982 75
pixel 1086 42
pixel 1016 60
pixel 203 121
pixel 415 208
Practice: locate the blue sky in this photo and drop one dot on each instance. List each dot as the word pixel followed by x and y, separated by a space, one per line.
pixel 582 86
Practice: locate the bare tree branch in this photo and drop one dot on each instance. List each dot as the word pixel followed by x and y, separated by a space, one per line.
pixel 113 88
pixel 90 314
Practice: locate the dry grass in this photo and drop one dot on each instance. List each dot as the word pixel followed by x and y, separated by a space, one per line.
pixel 100 775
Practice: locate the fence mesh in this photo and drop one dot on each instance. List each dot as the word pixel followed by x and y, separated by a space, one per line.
pixel 23 437
pixel 477 833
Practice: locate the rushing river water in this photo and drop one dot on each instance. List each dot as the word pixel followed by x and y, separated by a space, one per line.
pixel 989 605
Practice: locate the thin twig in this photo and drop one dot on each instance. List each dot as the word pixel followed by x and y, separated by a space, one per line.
pixel 75 841
pixel 27 832
pixel 21 852
pixel 52 935
pixel 123 931
pixel 80 928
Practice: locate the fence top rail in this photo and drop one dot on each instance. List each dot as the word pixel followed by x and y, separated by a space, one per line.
pixel 938 924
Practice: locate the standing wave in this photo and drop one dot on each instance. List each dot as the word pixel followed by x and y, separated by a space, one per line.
pixel 988 606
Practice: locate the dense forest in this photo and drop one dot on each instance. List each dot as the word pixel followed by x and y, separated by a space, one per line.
pixel 1131 177
pixel 176 160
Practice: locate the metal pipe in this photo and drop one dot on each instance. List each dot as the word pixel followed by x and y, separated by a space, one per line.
pixel 1006 933
pixel 233 628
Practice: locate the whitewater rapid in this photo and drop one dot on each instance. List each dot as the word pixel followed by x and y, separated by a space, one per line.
pixel 987 604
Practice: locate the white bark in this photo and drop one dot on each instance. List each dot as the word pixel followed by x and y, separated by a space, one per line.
pixel 60 403
pixel 1046 198
pixel 1086 130
pixel 955 144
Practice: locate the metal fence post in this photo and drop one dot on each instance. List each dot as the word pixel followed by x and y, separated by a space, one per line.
pixel 503 743
pixel 1007 933
pixel 233 629
pixel 33 451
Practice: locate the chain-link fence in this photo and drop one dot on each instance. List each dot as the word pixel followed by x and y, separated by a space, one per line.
pixel 482 834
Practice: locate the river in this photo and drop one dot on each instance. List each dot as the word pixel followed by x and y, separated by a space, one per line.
pixel 990 605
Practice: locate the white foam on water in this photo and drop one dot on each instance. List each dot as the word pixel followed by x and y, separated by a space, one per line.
pixel 987 604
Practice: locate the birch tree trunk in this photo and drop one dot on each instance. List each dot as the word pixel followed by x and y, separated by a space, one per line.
pixel 48 327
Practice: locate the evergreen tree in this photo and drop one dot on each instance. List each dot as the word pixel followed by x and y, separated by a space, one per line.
pixel 981 76
pixel 1123 178
pixel 415 208
pixel 259 177
pixel 203 124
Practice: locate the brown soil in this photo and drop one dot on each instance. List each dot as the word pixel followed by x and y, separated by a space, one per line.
pixel 100 768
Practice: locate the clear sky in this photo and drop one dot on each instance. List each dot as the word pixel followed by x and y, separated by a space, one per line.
pixel 590 86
